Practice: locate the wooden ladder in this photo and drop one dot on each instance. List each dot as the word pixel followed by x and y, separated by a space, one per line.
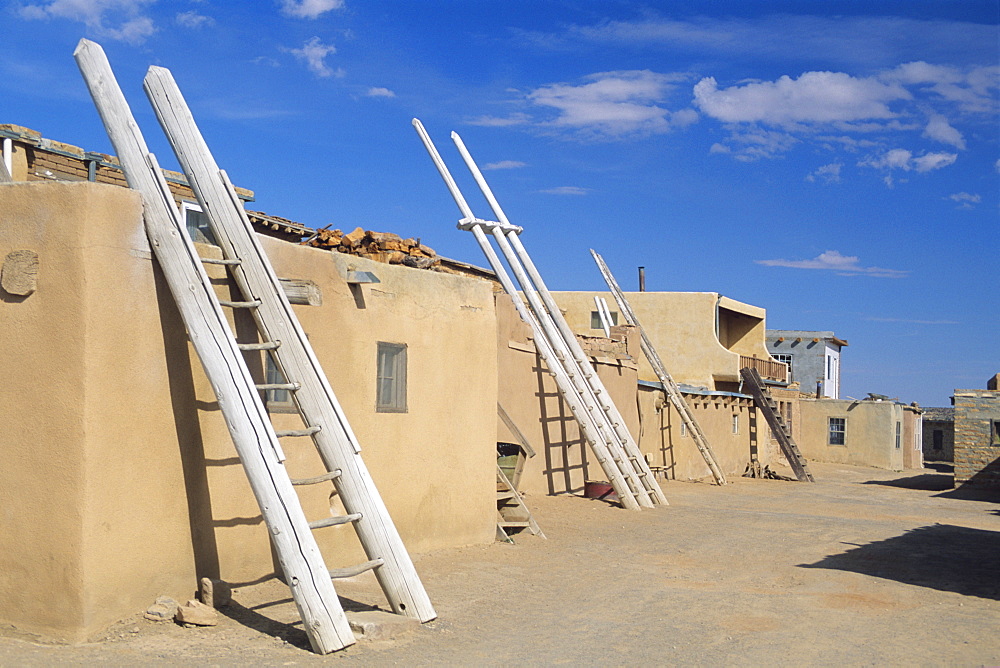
pixel 762 398
pixel 281 337
pixel 513 513
pixel 669 386
pixel 601 424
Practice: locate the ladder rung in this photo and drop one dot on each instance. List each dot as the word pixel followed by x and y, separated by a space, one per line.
pixel 335 521
pixel 514 524
pixel 298 432
pixel 267 345
pixel 278 386
pixel 212 260
pixel 503 496
pixel 254 304
pixel 351 571
pixel 332 475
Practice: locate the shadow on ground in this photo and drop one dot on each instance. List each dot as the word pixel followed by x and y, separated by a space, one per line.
pixel 939 556
pixel 929 482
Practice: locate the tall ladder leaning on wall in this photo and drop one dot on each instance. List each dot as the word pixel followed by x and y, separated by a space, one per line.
pixel 762 398
pixel 281 336
pixel 669 386
pixel 601 424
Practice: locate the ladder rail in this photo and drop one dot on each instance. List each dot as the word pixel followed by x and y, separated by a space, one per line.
pixel 578 374
pixel 762 397
pixel 255 277
pixel 550 311
pixel 545 351
pixel 671 388
pixel 252 434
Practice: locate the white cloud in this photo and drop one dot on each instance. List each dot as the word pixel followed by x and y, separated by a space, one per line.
pixel 973 90
pixel 309 9
pixel 932 161
pixel 314 54
pixel 914 322
pixel 904 160
pixel 193 19
pixel 815 97
pixel 505 164
pixel 380 92
pixel 497 122
pixel 123 20
pixel 965 200
pixel 614 103
pixel 565 190
pixel 843 265
pixel 829 173
pixel 752 142
pixel 939 129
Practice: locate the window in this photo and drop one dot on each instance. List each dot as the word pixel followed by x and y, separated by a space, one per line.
pixel 390 384
pixel 995 433
pixel 898 427
pixel 736 424
pixel 787 359
pixel 838 431
pixel 595 319
pixel 197 224
pixel 278 401
pixel 938 439
pixel 684 428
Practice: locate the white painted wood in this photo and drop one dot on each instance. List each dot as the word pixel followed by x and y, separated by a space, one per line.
pixel 570 394
pixel 7 164
pixel 591 387
pixel 669 386
pixel 337 444
pixel 323 618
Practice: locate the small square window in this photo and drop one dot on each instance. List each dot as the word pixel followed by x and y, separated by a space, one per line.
pixel 277 401
pixel 595 319
pixel 838 431
pixel 197 224
pixel 390 384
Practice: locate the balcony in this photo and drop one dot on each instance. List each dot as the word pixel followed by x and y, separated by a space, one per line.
pixel 768 369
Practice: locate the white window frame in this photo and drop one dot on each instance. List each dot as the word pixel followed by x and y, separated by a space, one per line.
pixel 390 378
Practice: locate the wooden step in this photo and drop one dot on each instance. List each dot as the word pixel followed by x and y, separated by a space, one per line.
pixel 351 571
pixel 298 432
pixel 334 521
pixel 332 475
pixel 254 304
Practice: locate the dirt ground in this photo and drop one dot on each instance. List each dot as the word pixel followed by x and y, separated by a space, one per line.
pixel 864 567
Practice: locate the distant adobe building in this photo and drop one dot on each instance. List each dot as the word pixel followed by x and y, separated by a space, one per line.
pixel 813 358
pixel 939 434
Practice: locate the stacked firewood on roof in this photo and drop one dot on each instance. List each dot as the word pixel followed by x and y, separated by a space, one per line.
pixel 379 246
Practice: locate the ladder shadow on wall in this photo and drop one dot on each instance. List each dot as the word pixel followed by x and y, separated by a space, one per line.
pixel 563 456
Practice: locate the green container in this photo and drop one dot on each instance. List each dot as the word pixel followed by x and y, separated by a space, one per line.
pixel 508 465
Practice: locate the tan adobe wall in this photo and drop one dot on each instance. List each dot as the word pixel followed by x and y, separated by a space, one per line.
pixel 671 448
pixel 529 394
pixel 870 432
pixel 121 481
pixel 681 326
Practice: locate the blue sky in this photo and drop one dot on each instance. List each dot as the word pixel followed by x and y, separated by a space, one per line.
pixel 837 163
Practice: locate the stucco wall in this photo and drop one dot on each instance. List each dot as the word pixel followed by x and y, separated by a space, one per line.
pixel 122 483
pixel 681 326
pixel 870 432
pixel 675 453
pixel 529 394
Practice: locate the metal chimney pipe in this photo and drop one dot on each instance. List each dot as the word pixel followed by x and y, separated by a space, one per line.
pixel 642 279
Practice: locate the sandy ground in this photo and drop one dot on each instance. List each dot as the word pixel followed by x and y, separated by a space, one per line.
pixel 863 567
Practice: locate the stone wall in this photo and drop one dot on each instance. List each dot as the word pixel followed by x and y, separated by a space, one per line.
pixel 977 446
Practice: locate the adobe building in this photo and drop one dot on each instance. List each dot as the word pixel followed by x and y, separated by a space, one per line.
pixel 704 339
pixel 939 434
pixel 813 359
pixel 122 483
pixel 977 436
pixel 875 432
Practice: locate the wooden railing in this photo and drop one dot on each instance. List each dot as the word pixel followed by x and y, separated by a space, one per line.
pixel 768 369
